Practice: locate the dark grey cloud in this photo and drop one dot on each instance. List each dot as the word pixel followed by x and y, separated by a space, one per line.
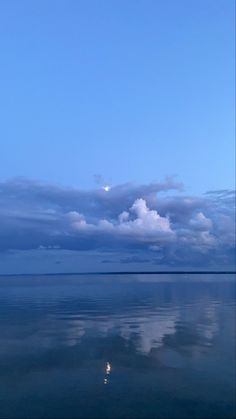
pixel 133 218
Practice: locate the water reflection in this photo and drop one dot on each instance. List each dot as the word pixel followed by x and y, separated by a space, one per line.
pixel 171 345
pixel 108 371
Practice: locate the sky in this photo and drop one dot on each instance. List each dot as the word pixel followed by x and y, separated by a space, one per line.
pixel 134 95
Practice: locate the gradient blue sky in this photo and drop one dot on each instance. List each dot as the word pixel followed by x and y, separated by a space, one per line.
pixel 125 93
pixel 131 90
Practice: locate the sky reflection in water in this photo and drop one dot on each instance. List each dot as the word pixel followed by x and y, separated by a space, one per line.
pixel 159 346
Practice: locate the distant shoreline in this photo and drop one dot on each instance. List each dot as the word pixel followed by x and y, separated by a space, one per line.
pixel 126 273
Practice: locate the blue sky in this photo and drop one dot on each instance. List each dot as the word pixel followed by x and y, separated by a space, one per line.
pixel 131 90
pixel 119 93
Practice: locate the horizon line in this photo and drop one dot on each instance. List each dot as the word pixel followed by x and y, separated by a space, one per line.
pixel 122 273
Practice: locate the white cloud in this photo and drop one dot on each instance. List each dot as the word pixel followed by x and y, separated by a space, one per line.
pixel 147 225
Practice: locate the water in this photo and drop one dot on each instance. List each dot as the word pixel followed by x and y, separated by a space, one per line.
pixel 133 346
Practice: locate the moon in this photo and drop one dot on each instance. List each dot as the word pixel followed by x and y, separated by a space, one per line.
pixel 106 188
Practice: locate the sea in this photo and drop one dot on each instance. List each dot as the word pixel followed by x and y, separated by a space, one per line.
pixel 118 346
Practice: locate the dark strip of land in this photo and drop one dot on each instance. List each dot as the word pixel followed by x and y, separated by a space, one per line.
pixel 128 273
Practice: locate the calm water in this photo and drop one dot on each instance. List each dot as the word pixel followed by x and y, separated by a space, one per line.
pixel 156 346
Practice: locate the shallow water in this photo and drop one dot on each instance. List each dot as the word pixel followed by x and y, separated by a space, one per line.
pixel 133 346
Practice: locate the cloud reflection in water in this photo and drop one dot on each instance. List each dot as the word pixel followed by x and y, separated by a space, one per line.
pixel 155 338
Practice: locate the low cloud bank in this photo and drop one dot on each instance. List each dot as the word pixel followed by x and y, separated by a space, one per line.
pixel 135 219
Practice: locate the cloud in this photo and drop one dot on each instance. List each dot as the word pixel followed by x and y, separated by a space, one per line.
pixel 201 222
pixel 147 225
pixel 173 230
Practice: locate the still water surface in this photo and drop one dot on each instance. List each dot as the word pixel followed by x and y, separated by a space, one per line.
pixel 133 346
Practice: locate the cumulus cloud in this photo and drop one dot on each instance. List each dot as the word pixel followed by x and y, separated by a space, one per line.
pixel 147 225
pixel 174 230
